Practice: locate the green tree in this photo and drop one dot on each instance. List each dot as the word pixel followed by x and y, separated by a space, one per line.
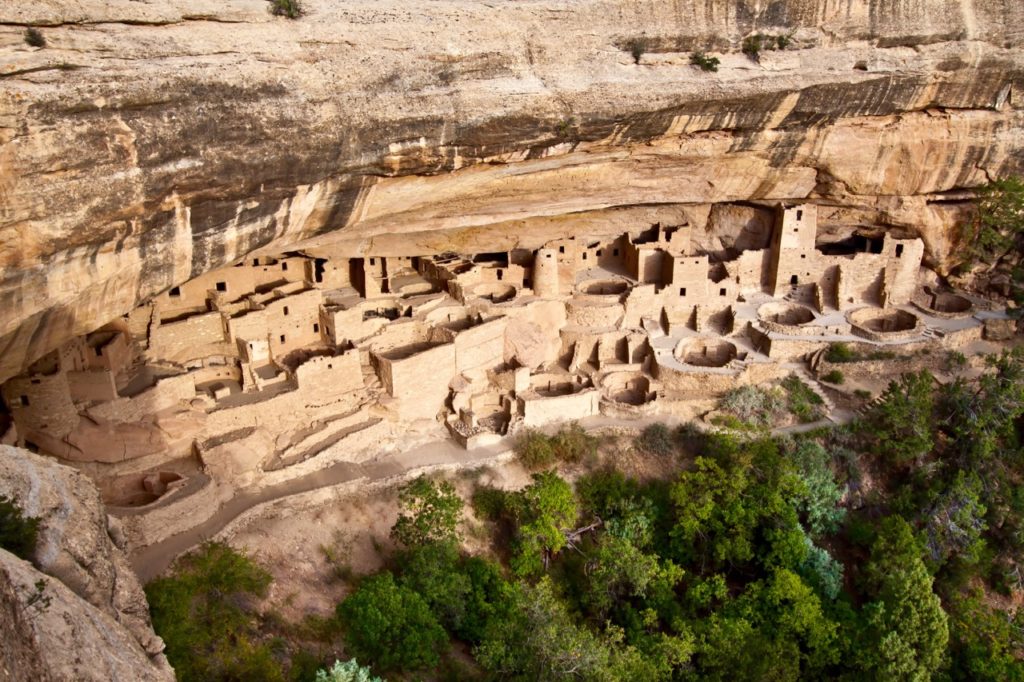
pixel 540 641
pixel 986 643
pixel 900 426
pixel 905 628
pixel 545 510
pixel 430 512
pixel 391 625
pixel 821 497
pixel 618 570
pixel 200 611
pixel 18 532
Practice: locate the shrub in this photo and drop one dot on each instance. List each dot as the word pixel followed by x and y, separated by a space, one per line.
pixel 863 394
pixel 804 403
pixel 18 533
pixel 834 377
pixel 572 443
pixel 637 47
pixel 783 41
pixel 752 46
pixel 349 671
pixel 430 512
pixel 34 38
pixel 534 450
pixel 656 439
pixel 286 8
pixel 391 625
pixel 705 62
pixel 753 405
pixel 840 352
pixel 199 611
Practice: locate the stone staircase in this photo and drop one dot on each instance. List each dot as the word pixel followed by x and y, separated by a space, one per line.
pixel 813 384
pixel 933 333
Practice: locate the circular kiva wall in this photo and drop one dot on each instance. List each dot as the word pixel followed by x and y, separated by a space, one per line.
pixel 940 304
pixel 603 287
pixel 630 388
pixel 138 490
pixel 785 318
pixel 497 292
pixel 885 324
pixel 705 352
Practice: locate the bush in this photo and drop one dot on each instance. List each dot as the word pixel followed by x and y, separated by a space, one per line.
pixel 753 405
pixel 804 403
pixel 286 8
pixel 752 46
pixel 705 62
pixel 18 533
pixel 391 625
pixel 349 671
pixel 656 439
pixel 573 444
pixel 637 47
pixel 199 611
pixel 33 38
pixel 834 377
pixel 840 352
pixel 534 450
pixel 863 394
pixel 430 512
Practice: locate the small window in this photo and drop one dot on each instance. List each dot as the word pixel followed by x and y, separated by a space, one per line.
pixel 373 261
pixel 37 381
pixel 682 291
pixel 803 255
pixel 501 273
pixel 561 249
pixel 175 292
pixel 794 280
pixel 615 252
pixel 799 214
pixel 99 351
pixel 584 255
pixel 24 401
pixel 721 292
pixel 316 328
pixel 284 266
pixel 222 286
pixel 255 261
pixel 286 310
pixel 282 338
pixel 899 250
pixel 599 253
pixel 547 255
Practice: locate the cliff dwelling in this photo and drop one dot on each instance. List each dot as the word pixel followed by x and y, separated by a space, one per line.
pixel 278 366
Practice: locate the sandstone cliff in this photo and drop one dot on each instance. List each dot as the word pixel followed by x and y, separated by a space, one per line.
pixel 81 615
pixel 150 141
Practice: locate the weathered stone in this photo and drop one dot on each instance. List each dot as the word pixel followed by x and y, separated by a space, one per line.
pixel 1000 330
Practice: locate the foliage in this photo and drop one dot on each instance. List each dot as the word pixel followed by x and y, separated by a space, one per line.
pixel 286 8
pixel 1000 221
pixel 430 512
pixel 704 62
pixel 821 494
pixel 840 352
pixel 541 641
pixel 753 45
pixel 822 571
pixel 544 509
pixel 637 47
pixel 905 628
pixel 349 671
pixel 199 612
pixel 900 424
pixel 391 625
pixel 34 38
pixel 571 443
pixel 535 450
pixel 18 532
pixel 986 643
pixel 955 522
pixel 834 376
pixel 753 404
pixel 656 439
pixel 804 403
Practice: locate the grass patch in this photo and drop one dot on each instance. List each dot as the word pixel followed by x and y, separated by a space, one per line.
pixel 753 405
pixel 536 450
pixel 656 439
pixel 806 405
pixel 840 352
pixel 835 376
pixel 704 62
pixel 289 9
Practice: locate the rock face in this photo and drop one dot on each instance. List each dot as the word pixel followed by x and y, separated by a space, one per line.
pixel 97 600
pixel 149 142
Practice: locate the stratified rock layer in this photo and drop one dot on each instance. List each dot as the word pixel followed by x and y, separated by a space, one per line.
pixel 152 141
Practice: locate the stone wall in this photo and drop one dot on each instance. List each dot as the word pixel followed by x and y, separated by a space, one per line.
pixel 168 392
pixel 540 410
pixel 189 339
